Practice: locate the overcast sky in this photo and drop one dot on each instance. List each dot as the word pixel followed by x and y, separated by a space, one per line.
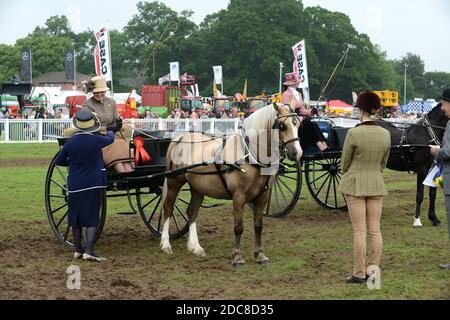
pixel 398 26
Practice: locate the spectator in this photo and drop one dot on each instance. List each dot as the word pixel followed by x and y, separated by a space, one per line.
pixel 364 156
pixel 83 154
pixel 443 155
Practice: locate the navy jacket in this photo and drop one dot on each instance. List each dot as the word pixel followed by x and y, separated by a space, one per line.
pixel 83 154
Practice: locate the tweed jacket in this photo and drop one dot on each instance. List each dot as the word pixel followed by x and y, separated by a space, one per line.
pixel 288 98
pixel 443 155
pixel 364 156
pixel 106 111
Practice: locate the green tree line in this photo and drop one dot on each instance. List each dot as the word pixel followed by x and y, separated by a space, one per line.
pixel 249 39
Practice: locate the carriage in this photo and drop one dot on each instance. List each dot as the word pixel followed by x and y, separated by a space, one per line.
pixel 143 187
pixel 322 170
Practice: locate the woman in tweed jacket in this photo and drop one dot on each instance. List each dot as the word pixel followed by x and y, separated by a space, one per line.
pixel 364 156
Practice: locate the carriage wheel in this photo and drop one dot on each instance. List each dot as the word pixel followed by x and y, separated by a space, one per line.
pixel 323 177
pixel 286 189
pixel 150 207
pixel 56 197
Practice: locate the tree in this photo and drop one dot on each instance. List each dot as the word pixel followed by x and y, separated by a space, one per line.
pixel 9 62
pixel 158 30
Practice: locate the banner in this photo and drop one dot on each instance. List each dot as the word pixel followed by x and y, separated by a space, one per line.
pixel 174 71
pixel 218 74
pixel 300 65
pixel 102 55
pixel 69 66
pixel 25 68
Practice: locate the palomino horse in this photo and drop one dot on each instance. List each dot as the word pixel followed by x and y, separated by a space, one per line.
pixel 429 130
pixel 241 168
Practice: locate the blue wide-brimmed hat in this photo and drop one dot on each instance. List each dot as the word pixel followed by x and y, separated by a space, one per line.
pixel 85 120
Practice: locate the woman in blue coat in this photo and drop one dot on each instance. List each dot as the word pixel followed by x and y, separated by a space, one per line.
pixel 87 177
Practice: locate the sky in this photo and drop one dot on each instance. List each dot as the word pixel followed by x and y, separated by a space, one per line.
pixel 397 26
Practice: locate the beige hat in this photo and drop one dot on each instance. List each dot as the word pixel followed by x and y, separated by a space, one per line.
pixel 99 84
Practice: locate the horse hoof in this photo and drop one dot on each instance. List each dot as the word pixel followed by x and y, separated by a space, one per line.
pixel 200 253
pixel 417 223
pixel 263 262
pixel 167 250
pixel 436 223
pixel 239 263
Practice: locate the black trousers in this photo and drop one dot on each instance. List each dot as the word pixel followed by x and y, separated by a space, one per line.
pixel 309 133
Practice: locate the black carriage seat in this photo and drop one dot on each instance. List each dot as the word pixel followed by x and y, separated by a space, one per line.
pixel 334 136
pixel 156 144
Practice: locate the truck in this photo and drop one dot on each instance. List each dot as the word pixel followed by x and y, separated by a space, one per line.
pixel 389 101
pixel 161 99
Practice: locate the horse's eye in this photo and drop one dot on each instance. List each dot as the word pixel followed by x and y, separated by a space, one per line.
pixel 281 127
pixel 294 121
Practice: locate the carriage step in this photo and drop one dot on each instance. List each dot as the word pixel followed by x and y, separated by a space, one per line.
pixel 126 213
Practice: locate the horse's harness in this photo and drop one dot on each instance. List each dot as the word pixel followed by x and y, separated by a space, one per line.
pixel 433 140
pixel 248 153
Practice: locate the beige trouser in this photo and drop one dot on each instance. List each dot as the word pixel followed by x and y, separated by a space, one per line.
pixel 365 211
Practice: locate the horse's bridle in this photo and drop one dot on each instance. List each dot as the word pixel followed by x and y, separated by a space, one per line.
pixel 427 124
pixel 277 125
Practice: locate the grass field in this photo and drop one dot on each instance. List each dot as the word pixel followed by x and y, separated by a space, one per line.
pixel 310 249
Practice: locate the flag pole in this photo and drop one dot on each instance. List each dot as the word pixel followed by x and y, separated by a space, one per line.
pixel 74 70
pixel 110 49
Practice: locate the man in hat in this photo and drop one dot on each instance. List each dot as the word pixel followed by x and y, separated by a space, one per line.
pixel 87 177
pixel 443 155
pixel 309 131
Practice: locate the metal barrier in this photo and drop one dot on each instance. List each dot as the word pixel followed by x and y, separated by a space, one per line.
pixel 46 130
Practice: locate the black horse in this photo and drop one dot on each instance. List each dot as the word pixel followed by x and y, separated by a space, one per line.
pixel 427 131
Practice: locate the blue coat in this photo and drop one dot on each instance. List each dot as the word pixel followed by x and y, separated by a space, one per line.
pixel 83 154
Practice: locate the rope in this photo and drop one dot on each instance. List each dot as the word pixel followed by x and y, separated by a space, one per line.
pixel 160 41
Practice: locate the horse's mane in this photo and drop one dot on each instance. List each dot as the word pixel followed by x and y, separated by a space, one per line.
pixel 263 118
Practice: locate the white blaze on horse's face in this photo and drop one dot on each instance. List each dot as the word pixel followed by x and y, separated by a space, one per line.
pixel 288 131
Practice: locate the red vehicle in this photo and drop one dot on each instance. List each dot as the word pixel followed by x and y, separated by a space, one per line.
pixel 161 99
pixel 74 103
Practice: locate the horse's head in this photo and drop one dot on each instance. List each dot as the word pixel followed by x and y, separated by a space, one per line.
pixel 437 116
pixel 287 124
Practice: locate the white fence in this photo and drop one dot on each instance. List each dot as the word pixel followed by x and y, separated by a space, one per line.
pixel 40 130
pixel 46 130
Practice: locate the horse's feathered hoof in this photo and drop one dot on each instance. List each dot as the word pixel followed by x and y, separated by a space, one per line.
pixel 167 250
pixel 436 223
pixel 263 262
pixel 239 263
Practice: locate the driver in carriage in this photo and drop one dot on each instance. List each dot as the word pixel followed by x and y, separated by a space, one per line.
pixel 116 155
pixel 309 131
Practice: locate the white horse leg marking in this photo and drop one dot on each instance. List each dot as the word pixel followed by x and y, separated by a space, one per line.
pixel 417 222
pixel 193 244
pixel 165 244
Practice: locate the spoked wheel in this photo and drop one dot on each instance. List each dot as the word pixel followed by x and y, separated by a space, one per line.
pixel 56 197
pixel 150 204
pixel 323 177
pixel 286 189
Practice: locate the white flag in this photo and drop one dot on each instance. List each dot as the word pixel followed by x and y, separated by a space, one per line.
pixel 174 71
pixel 102 55
pixel 218 74
pixel 300 65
